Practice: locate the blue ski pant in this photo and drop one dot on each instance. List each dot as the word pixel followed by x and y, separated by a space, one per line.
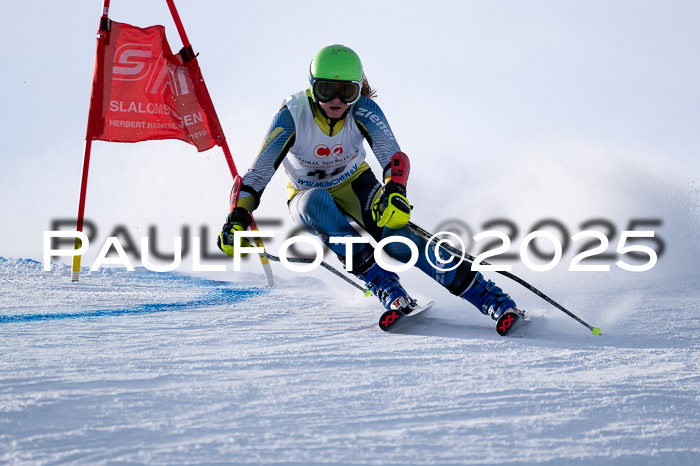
pixel 326 214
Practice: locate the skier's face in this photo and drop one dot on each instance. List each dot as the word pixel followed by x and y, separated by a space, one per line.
pixel 334 108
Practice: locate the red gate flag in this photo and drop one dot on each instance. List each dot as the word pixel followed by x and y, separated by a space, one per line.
pixel 141 91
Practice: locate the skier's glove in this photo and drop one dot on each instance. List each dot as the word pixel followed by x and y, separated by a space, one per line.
pixel 238 220
pixel 390 207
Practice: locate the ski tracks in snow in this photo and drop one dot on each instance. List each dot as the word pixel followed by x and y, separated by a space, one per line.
pixel 206 371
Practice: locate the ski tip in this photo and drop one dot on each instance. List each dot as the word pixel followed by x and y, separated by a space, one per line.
pixel 510 320
pixel 596 331
pixel 367 293
pixel 389 318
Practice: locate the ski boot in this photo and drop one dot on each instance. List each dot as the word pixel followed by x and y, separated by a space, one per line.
pixel 385 286
pixel 488 298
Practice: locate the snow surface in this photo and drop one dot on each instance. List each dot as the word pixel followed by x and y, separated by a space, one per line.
pixel 166 368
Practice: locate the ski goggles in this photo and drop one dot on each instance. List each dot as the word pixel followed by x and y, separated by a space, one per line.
pixel 326 90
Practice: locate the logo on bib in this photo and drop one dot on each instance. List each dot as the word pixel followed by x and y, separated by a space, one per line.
pixel 322 151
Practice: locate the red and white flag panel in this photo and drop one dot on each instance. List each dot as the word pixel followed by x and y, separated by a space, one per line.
pixel 141 91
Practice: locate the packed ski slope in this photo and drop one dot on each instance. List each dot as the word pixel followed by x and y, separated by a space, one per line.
pixel 164 368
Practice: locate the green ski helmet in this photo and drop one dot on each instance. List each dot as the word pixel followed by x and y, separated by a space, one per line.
pixel 336 71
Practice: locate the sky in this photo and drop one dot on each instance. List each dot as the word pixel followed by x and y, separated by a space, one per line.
pixel 521 111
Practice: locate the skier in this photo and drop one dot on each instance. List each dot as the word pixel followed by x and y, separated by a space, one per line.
pixel 318 136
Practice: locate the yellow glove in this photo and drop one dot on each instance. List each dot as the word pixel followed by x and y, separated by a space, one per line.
pixel 238 220
pixel 390 207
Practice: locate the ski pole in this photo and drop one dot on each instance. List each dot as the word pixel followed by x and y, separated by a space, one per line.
pixel 463 255
pixel 301 260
